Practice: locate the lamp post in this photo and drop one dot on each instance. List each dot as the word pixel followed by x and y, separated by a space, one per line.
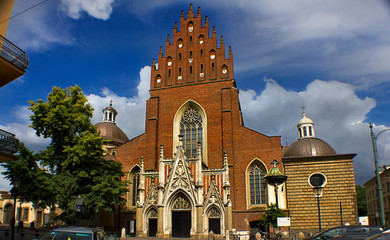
pixel 14 193
pixel 374 138
pixel 317 181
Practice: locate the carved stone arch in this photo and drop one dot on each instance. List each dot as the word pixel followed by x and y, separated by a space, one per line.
pixel 176 125
pixel 150 221
pixel 258 166
pixel 213 219
pixel 213 211
pixel 133 179
pixel 151 212
pixel 179 198
pixel 179 193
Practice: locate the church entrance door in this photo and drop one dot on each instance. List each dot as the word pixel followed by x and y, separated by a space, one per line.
pixel 181 224
pixel 152 227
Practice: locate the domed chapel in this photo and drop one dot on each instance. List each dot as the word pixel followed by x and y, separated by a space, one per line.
pixel 197 168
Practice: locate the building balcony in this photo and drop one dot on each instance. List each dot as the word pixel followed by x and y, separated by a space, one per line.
pixel 13 61
pixel 8 146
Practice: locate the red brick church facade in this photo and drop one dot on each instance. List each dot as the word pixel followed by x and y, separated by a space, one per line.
pixel 193 93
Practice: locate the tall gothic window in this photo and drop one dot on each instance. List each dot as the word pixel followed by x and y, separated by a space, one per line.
pixel 257 185
pixel 134 189
pixel 191 127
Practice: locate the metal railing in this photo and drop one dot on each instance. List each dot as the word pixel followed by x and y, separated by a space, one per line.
pixel 13 54
pixel 8 142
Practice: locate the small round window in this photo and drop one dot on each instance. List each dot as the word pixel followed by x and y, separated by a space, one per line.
pixel 317 180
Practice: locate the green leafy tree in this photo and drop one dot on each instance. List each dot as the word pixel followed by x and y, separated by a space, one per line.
pixel 361 200
pixel 35 183
pixel 270 216
pixel 74 156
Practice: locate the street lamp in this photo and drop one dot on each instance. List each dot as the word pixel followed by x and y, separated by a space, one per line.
pixel 317 181
pixel 14 193
pixel 374 138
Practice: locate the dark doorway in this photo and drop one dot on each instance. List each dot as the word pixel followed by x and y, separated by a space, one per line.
pixel 215 225
pixel 257 228
pixel 181 224
pixel 152 227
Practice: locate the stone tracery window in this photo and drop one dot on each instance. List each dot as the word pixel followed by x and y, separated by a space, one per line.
pixel 257 185
pixel 214 213
pixel 153 213
pixel 191 127
pixel 181 203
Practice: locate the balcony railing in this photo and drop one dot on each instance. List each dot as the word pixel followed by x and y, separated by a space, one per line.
pixel 8 142
pixel 13 54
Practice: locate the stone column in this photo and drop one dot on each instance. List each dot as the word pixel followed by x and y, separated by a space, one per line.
pixel 140 223
pixel 199 223
pixel 160 222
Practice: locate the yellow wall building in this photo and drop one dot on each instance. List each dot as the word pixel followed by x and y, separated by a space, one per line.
pixel 310 155
pixel 372 198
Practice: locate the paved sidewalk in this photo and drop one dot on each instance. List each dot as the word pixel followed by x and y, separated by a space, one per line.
pixel 22 234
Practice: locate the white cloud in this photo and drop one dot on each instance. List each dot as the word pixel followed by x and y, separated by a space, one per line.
pixel 5 185
pixel 131 111
pixel 100 9
pixel 38 29
pixel 20 127
pixel 338 113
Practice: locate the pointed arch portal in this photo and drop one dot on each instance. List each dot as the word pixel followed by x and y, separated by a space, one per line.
pixel 181 217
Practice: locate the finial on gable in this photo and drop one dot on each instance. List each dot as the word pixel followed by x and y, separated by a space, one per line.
pixel 168 38
pixel 161 50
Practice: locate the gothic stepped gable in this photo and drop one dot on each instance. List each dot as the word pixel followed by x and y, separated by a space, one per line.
pixel 193 55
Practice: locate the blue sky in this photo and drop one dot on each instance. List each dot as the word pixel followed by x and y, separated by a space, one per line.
pixel 330 56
